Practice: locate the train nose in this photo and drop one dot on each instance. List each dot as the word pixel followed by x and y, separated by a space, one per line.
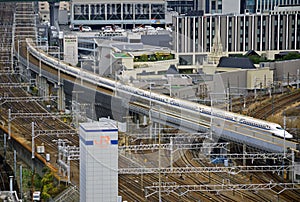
pixel 287 135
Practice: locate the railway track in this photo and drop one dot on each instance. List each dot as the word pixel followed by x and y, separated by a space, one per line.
pixel 132 191
pixel 201 179
pixel 271 106
pixel 24 19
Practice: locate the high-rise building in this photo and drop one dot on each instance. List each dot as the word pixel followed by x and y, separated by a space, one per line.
pixel 269 5
pixel 243 6
pixel 274 31
pixel 248 6
pixel 98 161
pixel 44 10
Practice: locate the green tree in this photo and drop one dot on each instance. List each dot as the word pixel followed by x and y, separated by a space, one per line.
pixel 144 58
pixel 159 56
pixel 291 56
pixel 152 58
pixel 50 186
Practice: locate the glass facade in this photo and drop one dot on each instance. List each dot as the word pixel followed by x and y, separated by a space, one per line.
pixel 118 13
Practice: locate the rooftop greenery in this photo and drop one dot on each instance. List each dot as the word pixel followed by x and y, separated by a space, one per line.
pixel 154 57
pixel 257 59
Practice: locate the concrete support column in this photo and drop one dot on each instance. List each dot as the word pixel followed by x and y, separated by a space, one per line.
pixel 43 87
pixel 150 11
pixel 122 14
pixel 38 82
pixel 61 98
pixel 47 88
pixel 133 13
pixel 105 11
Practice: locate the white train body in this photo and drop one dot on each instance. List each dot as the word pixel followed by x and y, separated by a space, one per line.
pixel 272 128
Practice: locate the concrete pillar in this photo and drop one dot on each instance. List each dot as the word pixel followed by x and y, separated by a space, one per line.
pixel 61 105
pixel 43 86
pixel 47 87
pixel 38 82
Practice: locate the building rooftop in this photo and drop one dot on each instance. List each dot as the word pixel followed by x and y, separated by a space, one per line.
pixel 122 55
pixel 172 70
pixel 251 53
pixel 103 124
pixel 236 62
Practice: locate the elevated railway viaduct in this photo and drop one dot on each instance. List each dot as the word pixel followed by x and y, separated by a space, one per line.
pixel 40 70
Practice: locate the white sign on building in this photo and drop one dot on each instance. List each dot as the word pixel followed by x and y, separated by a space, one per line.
pixel 71 49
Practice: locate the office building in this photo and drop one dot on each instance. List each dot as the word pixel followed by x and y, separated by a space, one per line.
pixel 273 31
pixel 44 10
pixel 98 161
pixel 129 12
pixel 269 5
pixel 243 6
pixel 183 7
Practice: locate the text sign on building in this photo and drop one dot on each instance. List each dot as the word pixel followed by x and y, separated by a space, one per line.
pixel 71 49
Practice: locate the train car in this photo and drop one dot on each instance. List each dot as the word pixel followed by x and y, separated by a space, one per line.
pixel 274 129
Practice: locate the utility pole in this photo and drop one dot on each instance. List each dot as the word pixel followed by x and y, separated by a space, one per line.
pixel 159 167
pixel 228 98
pixel 150 108
pixel 211 119
pixel 255 88
pixel 159 163
pixel 4 147
pixel 284 127
pixel 32 158
pixel 297 78
pixel 21 182
pixel 76 108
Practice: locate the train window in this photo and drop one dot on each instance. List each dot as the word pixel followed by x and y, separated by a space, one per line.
pixel 279 128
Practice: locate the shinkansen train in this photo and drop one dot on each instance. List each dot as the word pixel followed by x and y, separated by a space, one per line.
pixel 272 128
